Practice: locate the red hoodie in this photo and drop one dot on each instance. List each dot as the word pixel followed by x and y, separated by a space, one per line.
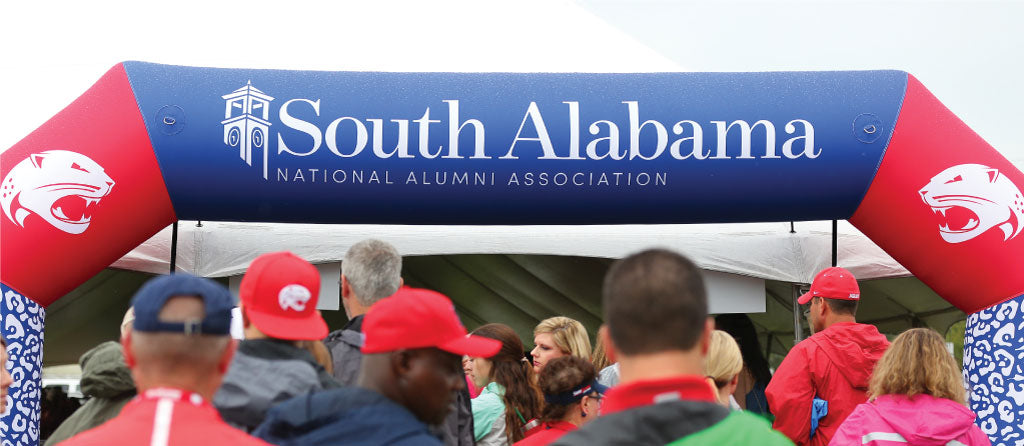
pixel 834 365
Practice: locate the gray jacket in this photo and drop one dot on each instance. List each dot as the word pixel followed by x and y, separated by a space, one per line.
pixel 265 372
pixel 346 357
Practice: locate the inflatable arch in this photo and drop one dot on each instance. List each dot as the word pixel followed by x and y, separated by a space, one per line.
pixel 150 144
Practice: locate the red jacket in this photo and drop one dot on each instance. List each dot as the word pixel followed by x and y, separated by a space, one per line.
pixel 547 434
pixel 168 417
pixel 834 365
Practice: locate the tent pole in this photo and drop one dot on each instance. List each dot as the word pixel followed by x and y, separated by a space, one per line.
pixel 174 246
pixel 835 242
pixel 797 331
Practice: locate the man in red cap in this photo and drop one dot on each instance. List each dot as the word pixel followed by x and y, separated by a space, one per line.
pixel 410 371
pixel 278 301
pixel 826 375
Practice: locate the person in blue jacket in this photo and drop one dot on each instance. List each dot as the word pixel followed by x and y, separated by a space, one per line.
pixel 410 373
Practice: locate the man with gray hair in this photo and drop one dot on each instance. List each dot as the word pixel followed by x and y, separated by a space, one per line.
pixel 371 271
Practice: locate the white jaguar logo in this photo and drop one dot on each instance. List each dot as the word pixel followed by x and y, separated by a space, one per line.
pixel 294 297
pixel 971 199
pixel 60 186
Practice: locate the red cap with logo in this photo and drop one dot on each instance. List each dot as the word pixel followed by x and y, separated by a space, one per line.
pixel 832 283
pixel 418 318
pixel 279 293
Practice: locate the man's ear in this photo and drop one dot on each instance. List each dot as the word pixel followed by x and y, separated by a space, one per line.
pixel 126 348
pixel 401 362
pixel 705 336
pixel 824 308
pixel 245 316
pixel 225 359
pixel 609 346
pixel 346 288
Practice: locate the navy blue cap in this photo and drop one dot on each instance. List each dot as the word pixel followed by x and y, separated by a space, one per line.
pixel 150 299
pixel 576 394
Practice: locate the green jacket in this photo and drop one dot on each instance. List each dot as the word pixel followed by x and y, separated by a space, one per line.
pixel 108 383
pixel 677 423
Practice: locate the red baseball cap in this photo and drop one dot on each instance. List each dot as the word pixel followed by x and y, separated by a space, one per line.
pixel 279 294
pixel 418 318
pixel 832 283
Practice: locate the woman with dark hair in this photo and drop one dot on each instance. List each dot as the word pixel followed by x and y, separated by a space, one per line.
pixel 508 398
pixel 572 398
pixel 5 377
pixel 755 375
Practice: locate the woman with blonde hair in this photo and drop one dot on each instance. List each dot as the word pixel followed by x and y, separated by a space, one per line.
pixel 722 367
pixel 559 336
pixel 916 397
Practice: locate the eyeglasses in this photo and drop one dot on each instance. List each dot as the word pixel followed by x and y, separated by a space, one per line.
pixel 599 399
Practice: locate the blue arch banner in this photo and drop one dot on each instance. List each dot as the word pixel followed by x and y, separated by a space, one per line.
pixel 514 148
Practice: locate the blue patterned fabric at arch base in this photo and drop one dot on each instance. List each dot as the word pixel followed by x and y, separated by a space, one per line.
pixel 994 368
pixel 22 323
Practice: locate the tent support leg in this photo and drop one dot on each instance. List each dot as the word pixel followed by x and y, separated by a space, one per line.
pixel 174 246
pixel 23 329
pixel 994 370
pixel 835 243
pixel 797 331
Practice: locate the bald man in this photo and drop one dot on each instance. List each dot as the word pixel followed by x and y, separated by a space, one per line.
pixel 178 349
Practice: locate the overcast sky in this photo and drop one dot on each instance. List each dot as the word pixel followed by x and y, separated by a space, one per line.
pixel 967 53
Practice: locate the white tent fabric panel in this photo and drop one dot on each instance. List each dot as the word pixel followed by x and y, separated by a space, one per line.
pixel 760 250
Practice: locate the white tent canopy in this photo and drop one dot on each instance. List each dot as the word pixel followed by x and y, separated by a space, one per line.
pixel 770 251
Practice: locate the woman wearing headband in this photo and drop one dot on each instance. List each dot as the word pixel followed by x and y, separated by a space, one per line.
pixel 572 397
pixel 508 398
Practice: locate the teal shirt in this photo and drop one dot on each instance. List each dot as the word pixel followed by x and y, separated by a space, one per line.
pixel 487 407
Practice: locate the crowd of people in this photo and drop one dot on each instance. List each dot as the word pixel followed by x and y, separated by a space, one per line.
pixel 405 371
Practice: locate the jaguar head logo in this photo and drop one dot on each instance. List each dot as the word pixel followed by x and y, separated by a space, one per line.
pixel 60 186
pixel 294 297
pixel 970 199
